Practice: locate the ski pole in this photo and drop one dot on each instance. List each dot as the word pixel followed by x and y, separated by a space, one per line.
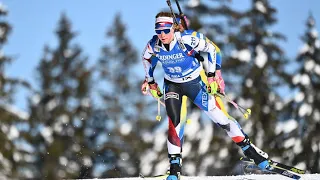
pixel 182 15
pixel 158 117
pixel 146 92
pixel 174 16
pixel 246 112
pixel 159 101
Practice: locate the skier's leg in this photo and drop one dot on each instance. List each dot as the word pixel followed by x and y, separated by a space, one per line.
pixel 183 122
pixel 220 105
pixel 208 104
pixel 173 101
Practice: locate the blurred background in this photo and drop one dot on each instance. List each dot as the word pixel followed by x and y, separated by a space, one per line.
pixel 70 76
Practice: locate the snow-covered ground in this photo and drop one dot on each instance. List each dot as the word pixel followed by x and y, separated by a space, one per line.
pixel 242 177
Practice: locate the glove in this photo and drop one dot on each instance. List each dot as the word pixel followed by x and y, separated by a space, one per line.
pixel 212 86
pixel 155 90
pixel 218 78
pixel 216 83
pixel 144 87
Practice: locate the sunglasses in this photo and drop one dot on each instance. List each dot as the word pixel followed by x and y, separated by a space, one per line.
pixel 165 31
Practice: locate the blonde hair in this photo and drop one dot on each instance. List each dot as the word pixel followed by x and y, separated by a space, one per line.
pixel 176 27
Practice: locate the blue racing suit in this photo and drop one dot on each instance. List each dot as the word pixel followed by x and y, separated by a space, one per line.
pixel 182 77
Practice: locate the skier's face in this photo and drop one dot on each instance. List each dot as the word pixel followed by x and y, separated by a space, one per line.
pixel 165 35
pixel 164 29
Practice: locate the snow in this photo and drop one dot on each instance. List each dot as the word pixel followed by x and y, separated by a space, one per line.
pixel 13 133
pixel 314 33
pixel 125 128
pixel 316 115
pixel 161 139
pixel 279 106
pixel 147 137
pixel 243 55
pixel 73 167
pixel 317 69
pixel 286 126
pixel 315 147
pixel 305 79
pixel 206 134
pixel 247 102
pixel 63 161
pixel 190 167
pixel 223 153
pixel 260 7
pixel 249 83
pixel 51 104
pixel 36 99
pixel 161 165
pixel 296 79
pixel 147 161
pixel 317 43
pixel 85 102
pixel 289 142
pixel 3 8
pixel 299 97
pixel 192 131
pixel 67 53
pixel 305 110
pixel 242 177
pixel 88 162
pixel 266 109
pixel 261 57
pixel 15 111
pixel 309 65
pixel 187 146
pixel 304 48
pixel 301 165
pixel 193 3
pixel 297 148
pixel 46 132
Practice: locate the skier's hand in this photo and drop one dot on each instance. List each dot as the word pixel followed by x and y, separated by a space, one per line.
pixel 155 90
pixel 144 87
pixel 212 86
pixel 218 78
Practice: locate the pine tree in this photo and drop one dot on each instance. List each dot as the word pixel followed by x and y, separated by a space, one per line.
pixel 11 136
pixel 124 116
pixel 258 64
pixel 302 143
pixel 253 66
pixel 60 109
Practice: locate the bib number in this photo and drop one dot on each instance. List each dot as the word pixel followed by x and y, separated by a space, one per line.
pixel 175 69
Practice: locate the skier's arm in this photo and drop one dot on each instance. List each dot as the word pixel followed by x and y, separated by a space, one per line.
pixel 149 61
pixel 218 76
pixel 201 45
pixel 218 54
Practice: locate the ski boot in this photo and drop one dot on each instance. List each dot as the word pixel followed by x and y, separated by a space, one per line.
pixel 175 167
pixel 262 153
pixel 251 153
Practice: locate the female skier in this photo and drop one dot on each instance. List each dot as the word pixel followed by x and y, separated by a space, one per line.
pixel 176 52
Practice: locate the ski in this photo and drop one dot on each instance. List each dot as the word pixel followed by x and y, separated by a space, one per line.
pixel 280 165
pixel 279 168
pixel 160 177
